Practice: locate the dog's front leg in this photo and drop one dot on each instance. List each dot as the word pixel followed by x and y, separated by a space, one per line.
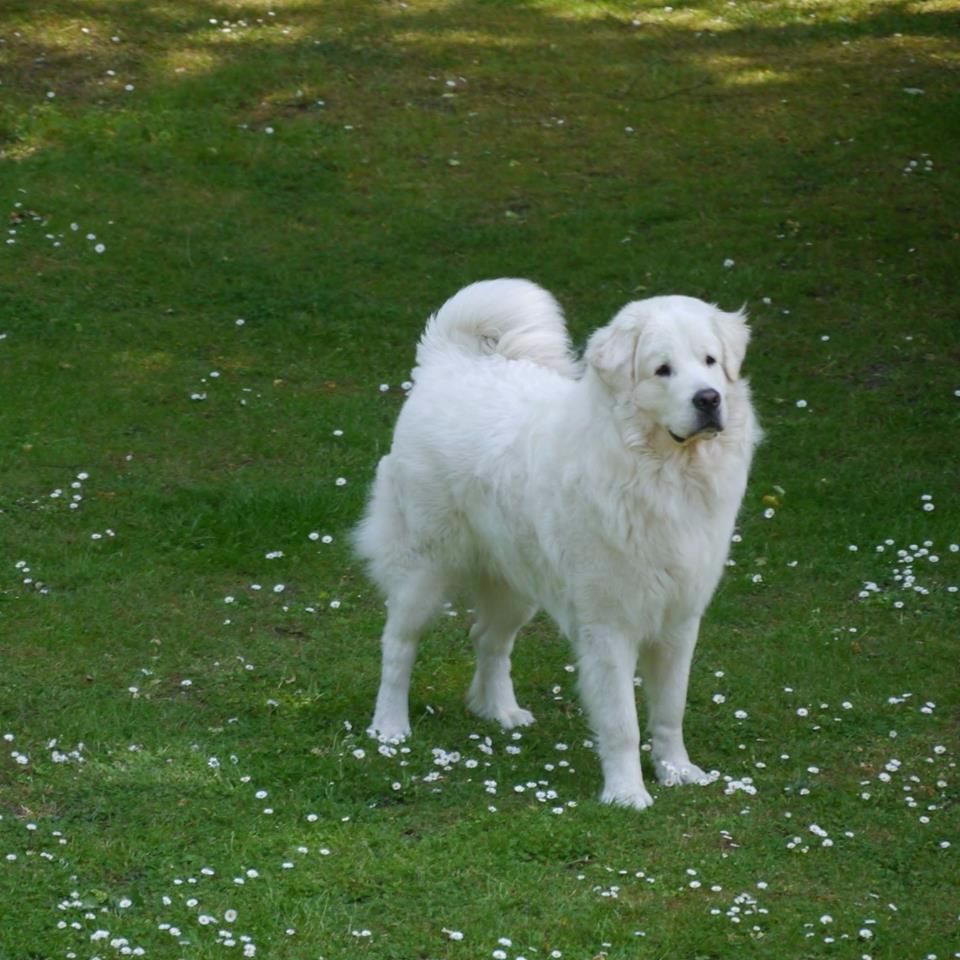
pixel 665 668
pixel 606 665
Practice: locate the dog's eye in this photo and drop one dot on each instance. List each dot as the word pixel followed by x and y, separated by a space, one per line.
pixel 711 361
pixel 664 370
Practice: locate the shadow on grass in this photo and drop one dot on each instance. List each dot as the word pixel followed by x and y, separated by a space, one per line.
pixel 406 80
pixel 309 151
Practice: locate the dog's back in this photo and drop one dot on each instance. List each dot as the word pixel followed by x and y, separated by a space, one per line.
pixel 473 366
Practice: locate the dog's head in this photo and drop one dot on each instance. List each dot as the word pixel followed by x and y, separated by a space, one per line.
pixel 672 360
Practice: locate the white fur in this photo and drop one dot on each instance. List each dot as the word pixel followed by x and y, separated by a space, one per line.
pixel 522 481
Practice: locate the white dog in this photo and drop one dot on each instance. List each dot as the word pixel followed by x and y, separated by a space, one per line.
pixel 604 492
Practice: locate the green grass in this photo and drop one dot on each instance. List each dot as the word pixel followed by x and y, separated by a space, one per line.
pixel 609 151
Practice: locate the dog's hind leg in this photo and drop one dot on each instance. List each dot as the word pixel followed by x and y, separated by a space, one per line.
pixel 500 614
pixel 410 608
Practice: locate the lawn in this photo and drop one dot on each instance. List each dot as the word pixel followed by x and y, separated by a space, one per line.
pixel 226 223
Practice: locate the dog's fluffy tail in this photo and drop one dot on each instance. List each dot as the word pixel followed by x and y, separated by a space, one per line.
pixel 513 318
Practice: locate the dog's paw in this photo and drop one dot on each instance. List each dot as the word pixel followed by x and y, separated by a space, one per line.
pixel 515 718
pixel 636 799
pixel 388 730
pixel 675 774
pixel 508 716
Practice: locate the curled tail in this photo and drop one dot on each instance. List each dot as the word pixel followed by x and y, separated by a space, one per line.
pixel 513 318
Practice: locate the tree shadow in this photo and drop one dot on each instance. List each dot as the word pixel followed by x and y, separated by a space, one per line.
pixel 382 133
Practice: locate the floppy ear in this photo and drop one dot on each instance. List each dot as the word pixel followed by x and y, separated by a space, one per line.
pixel 734 336
pixel 610 352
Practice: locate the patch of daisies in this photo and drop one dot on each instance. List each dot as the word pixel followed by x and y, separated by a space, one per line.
pixel 194 909
pixel 910 570
pixel 214 383
pixel 70 497
pixel 492 764
pixel 205 908
pixel 197 910
pixel 71 494
pixel 26 226
pixel 279 591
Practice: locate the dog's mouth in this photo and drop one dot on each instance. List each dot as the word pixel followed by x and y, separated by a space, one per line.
pixel 708 431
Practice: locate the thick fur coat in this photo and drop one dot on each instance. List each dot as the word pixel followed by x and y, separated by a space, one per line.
pixel 603 491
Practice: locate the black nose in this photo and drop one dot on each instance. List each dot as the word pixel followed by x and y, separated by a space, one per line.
pixel 706 400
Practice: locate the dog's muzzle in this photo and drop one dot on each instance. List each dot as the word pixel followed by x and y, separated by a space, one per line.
pixel 707 404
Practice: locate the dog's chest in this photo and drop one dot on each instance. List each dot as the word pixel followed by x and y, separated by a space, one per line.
pixel 668 547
